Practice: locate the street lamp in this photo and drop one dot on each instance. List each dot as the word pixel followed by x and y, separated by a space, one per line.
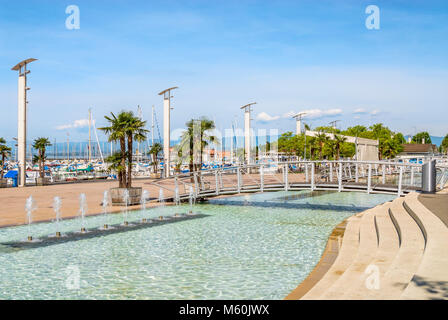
pixel 21 124
pixel 166 128
pixel 247 109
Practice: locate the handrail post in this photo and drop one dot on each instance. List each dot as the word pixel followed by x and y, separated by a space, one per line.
pixel 412 176
pixel 306 173
pixel 262 178
pixel 285 176
pixel 400 181
pixel 238 176
pixel 356 173
pixel 369 178
pixel 340 178
pixel 216 183
pixel 202 180
pixel 384 174
pixel 331 171
pixel 312 176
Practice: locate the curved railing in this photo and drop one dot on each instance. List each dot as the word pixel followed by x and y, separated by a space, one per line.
pixel 389 177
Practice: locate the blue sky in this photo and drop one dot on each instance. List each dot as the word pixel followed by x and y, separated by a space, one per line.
pixel 288 56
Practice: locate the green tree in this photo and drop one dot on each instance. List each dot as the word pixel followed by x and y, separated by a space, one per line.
pixel 321 140
pixel 41 145
pixel 125 127
pixel 444 144
pixel 5 152
pixel 197 136
pixel 337 143
pixel 155 150
pixel 116 132
pixel 134 128
pixel 114 162
pixel 419 137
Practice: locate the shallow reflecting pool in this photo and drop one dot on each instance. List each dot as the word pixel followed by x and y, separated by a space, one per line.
pixel 257 246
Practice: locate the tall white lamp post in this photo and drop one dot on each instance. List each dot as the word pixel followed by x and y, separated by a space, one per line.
pixel 166 129
pixel 21 125
pixel 247 110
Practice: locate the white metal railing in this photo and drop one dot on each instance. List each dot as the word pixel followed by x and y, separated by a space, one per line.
pixel 389 177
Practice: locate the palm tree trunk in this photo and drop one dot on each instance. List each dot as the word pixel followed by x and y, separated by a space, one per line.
pixel 3 165
pixel 191 164
pixel 129 182
pixel 122 176
pixel 40 163
pixel 42 173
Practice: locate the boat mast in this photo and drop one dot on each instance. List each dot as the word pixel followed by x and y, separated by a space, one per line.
pixel 152 126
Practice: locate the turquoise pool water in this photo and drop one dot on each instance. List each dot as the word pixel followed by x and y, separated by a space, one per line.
pixel 247 247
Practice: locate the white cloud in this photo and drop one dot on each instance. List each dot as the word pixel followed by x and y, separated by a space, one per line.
pixel 310 114
pixel 319 113
pixel 264 117
pixel 360 111
pixel 76 124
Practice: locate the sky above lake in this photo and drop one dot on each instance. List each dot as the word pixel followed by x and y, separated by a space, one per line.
pixel 288 56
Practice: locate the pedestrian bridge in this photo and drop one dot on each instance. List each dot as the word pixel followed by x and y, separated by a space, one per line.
pixel 387 177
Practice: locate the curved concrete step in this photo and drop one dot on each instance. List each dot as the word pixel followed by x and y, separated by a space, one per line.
pixel 367 249
pixel 347 253
pixel 388 246
pixel 431 279
pixel 408 258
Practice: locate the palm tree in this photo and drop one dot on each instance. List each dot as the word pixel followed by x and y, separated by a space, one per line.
pixel 135 130
pixel 321 139
pixel 198 134
pixel 154 152
pixel 116 132
pixel 114 162
pixel 338 141
pixel 125 127
pixel 41 145
pixel 5 152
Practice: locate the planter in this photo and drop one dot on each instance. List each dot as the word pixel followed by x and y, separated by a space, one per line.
pixel 3 183
pixel 117 196
pixel 155 175
pixel 42 181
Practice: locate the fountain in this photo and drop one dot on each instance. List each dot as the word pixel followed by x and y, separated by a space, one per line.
pixel 145 195
pixel 191 200
pixel 29 208
pixel 105 204
pixel 162 202
pixel 176 201
pixel 126 202
pixel 82 210
pixel 57 209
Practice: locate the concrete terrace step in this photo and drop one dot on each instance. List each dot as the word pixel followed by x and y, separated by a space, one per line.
pixel 347 253
pixel 404 241
pixel 407 260
pixel 367 249
pixel 431 279
pixel 388 246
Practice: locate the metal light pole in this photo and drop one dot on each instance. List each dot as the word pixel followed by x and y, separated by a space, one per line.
pixel 298 118
pixel 166 128
pixel 21 128
pixel 247 109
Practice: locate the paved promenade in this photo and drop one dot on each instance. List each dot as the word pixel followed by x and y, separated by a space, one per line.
pixel 12 209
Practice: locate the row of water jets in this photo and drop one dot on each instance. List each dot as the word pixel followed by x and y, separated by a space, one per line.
pixel 30 206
